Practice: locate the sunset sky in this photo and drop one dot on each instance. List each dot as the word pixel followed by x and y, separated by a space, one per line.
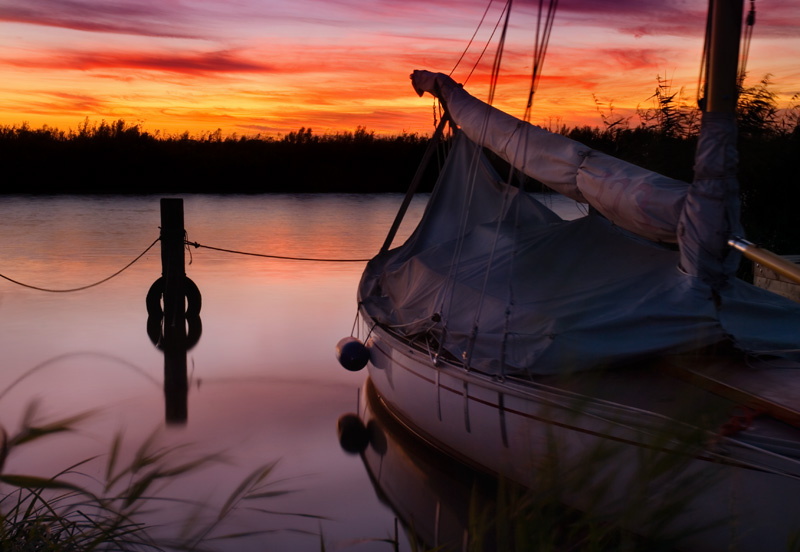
pixel 269 66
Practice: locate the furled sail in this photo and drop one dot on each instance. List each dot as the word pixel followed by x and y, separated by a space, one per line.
pixel 644 202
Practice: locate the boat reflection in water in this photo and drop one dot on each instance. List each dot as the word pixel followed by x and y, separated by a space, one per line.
pixel 426 489
pixel 446 504
pixel 664 495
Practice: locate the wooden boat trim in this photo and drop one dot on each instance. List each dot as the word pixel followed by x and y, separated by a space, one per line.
pixel 763 387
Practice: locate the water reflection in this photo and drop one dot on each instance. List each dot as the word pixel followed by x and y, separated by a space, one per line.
pixel 175 345
pixel 270 383
pixel 445 504
pixel 174 336
pixel 430 493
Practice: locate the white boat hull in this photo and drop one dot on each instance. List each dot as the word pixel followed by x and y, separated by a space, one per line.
pixel 624 456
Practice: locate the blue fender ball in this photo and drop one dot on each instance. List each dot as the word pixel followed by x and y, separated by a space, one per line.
pixel 352 354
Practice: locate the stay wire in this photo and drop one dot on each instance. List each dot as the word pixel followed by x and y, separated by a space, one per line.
pixel 540 49
pixel 542 38
pixel 81 288
pixel 486 46
pixel 471 40
pixel 747 36
pixel 701 77
pixel 280 257
pixel 473 171
pixel 541 41
pixel 498 59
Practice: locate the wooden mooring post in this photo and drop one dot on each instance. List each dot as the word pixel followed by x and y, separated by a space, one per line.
pixel 173 267
pixel 173 272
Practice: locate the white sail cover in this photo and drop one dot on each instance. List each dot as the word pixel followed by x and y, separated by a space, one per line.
pixel 634 198
pixel 502 282
pixel 710 215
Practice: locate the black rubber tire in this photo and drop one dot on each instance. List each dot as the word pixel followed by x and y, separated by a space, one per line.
pixel 194 299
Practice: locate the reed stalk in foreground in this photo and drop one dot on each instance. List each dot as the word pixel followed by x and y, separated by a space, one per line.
pixel 56 514
pixel 580 498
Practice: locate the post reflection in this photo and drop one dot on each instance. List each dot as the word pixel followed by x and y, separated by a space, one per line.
pixel 175 340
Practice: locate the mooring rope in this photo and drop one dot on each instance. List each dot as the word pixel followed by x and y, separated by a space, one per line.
pixel 194 244
pixel 280 257
pixel 104 280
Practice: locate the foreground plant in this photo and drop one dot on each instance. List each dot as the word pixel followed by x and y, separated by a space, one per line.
pixel 55 513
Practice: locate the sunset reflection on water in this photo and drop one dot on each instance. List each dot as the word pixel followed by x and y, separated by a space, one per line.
pixel 263 382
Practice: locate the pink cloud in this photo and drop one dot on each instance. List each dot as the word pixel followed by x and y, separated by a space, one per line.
pixel 184 63
pixel 142 18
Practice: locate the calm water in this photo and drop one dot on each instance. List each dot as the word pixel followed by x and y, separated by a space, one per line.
pixel 264 385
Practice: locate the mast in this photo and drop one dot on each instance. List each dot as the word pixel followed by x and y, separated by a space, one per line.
pixel 710 215
pixel 721 93
pixel 725 19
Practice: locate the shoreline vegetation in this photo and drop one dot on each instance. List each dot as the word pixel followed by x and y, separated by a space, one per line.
pixel 122 158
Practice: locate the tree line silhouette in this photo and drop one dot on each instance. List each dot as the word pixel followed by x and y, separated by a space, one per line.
pixel 122 158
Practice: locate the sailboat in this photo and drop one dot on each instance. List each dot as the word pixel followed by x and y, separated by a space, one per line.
pixel 611 345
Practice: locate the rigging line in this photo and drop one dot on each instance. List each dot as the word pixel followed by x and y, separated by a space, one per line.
pixel 455 261
pixel 486 46
pixel 513 258
pixel 186 246
pixel 280 257
pixel 475 163
pixel 412 188
pixel 104 280
pixel 701 92
pixel 355 323
pixel 498 58
pixel 478 28
pixel 534 65
pixel 746 38
pixel 540 49
pixel 487 273
pixel 449 288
